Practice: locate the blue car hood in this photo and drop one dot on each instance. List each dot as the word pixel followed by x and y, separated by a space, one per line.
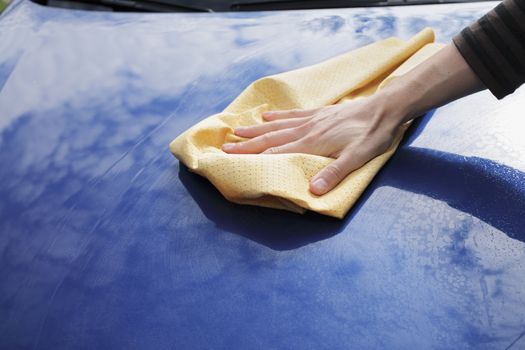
pixel 106 241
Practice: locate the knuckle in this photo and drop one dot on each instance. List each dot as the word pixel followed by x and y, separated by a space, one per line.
pixel 264 129
pixel 336 154
pixel 276 124
pixel 266 138
pixel 240 145
pixel 307 126
pixel 385 146
pixel 299 130
pixel 333 171
pixel 292 133
pixel 250 131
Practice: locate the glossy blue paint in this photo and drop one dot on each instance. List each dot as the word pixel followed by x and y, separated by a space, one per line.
pixel 107 242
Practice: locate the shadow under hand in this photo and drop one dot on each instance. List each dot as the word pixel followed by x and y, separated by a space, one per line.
pixel 276 229
pixel 492 192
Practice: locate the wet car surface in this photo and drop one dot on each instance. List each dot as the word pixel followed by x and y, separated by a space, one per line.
pixel 106 241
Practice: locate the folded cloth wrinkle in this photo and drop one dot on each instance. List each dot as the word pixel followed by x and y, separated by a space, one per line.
pixel 281 180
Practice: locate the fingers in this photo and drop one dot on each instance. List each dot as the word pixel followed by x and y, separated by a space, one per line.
pixel 260 129
pixel 331 175
pixel 263 142
pixel 292 147
pixel 291 113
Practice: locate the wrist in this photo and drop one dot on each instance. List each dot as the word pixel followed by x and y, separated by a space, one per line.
pixel 398 102
pixel 440 79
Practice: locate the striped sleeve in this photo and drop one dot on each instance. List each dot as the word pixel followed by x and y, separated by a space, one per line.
pixel 494 47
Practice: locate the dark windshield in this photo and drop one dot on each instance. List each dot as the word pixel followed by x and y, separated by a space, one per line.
pixel 254 5
pixel 258 5
pixel 228 5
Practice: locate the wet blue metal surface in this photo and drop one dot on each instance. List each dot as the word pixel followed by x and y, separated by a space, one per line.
pixel 106 242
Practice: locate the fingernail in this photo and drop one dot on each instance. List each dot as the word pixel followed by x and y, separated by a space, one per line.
pixel 228 146
pixel 238 130
pixel 320 185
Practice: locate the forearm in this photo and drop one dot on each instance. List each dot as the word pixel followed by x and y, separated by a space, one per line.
pixel 442 78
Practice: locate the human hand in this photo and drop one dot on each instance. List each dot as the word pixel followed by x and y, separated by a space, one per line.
pixel 358 131
pixel 353 133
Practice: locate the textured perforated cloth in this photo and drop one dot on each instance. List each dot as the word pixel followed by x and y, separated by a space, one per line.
pixel 281 180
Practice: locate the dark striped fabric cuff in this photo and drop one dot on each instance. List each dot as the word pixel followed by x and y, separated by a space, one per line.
pixel 494 47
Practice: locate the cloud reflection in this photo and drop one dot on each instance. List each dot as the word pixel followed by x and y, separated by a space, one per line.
pixel 94 218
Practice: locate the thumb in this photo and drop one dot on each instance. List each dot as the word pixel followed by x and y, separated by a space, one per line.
pixel 331 175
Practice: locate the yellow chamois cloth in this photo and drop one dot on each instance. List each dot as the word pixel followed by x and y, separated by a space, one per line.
pixel 282 180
